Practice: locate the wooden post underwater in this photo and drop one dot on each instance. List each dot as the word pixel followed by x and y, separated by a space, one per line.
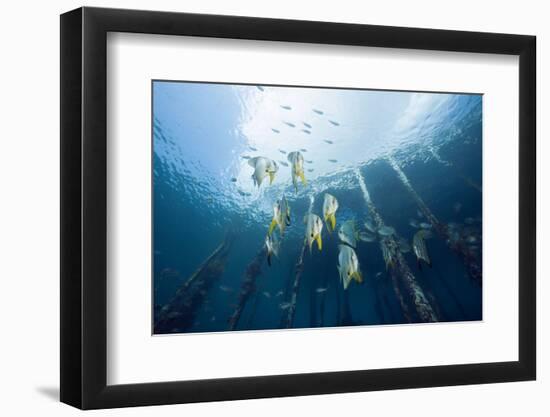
pixel 179 313
pixel 400 271
pixel 298 269
pixel 457 245
pixel 248 286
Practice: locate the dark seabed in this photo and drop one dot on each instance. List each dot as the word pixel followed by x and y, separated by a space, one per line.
pixel 210 220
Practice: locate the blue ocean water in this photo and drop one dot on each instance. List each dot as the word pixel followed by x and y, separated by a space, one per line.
pixel 204 135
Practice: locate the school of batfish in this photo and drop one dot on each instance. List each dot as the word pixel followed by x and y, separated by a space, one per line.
pixel 349 233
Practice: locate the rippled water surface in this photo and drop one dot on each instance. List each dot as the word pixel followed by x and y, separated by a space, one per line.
pixel 204 135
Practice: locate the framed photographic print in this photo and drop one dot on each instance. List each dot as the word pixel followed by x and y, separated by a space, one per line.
pixel 258 207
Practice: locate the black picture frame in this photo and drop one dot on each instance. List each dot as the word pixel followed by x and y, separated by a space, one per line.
pixel 84 207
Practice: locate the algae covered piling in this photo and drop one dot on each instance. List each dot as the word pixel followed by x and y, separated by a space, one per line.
pixel 180 312
pixel 399 270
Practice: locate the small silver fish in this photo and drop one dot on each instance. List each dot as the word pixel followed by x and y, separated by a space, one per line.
pixel 308 161
pixel 275 130
pixel 289 124
pixel 321 290
pixel 286 107
pixel 225 288
pixel 318 111
pixel 279 293
pixel 252 148
pixel 414 223
pixel 310 170
pixel 424 225
pixel 282 151
pixel 306 131
pixel 420 249
pixel 333 160
pixel 367 237
pixel 245 157
pixel 303 150
pixel 233 179
pixel 386 231
pixel 259 87
pixel 334 123
pixel 328 141
pixel 267 294
pixel 284 306
pixel 283 163
pixel 307 125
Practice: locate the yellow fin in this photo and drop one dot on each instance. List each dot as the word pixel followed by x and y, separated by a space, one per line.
pixel 271 177
pixel 272 226
pixel 327 217
pixel 357 276
pixel 346 280
pixel 303 178
pixel 319 241
pixel 332 219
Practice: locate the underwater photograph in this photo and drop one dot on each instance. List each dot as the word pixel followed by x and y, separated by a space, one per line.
pixel 286 207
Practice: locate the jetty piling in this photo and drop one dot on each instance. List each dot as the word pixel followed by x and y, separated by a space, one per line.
pixel 458 246
pixel 180 312
pixel 288 318
pixel 400 272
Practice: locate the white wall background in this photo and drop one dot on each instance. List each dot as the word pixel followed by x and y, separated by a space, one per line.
pixel 29 226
